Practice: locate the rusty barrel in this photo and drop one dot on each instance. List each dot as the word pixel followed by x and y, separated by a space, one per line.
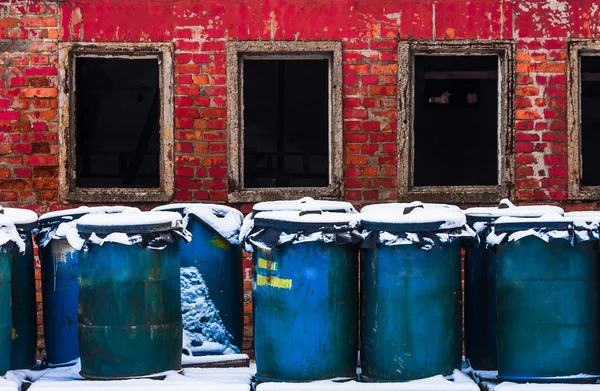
pixel 129 295
pixel 24 308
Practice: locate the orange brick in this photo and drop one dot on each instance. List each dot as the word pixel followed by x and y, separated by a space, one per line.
pixel 523 57
pixel 200 79
pixel 39 92
pixel 527 114
pixel 390 69
pixel 553 67
pixel 527 91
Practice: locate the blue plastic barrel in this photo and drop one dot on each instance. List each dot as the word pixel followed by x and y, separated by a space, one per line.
pixel 129 300
pixel 24 308
pixel 216 254
pixel 60 288
pixel 411 293
pixel 480 282
pixel 548 299
pixel 10 243
pixel 305 289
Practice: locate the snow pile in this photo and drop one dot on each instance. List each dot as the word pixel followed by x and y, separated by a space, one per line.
pixel 506 386
pixel 9 235
pixel 506 208
pixel 224 220
pixel 20 216
pixel 203 329
pixel 400 207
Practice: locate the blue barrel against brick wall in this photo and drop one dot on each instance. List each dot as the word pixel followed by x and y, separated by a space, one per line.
pixel 215 252
pixel 60 288
pixel 24 308
pixel 480 282
pixel 411 293
pixel 129 300
pixel 305 298
pixel 548 306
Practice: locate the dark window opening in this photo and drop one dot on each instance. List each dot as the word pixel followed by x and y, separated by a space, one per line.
pixel 117 112
pixel 286 123
pixel 456 120
pixel 590 120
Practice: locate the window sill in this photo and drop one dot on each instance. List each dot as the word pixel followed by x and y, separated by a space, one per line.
pixel 283 193
pixel 455 194
pixel 113 195
pixel 585 193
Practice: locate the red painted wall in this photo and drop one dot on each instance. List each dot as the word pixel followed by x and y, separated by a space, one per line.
pixel 369 31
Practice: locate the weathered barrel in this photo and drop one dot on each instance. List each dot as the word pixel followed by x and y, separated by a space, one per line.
pixel 480 282
pixel 129 300
pixel 60 289
pixel 411 292
pixel 24 308
pixel 547 290
pixel 216 254
pixel 305 289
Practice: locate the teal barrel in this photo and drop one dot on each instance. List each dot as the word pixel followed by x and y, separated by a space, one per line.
pixel 548 309
pixel 480 282
pixel 60 288
pixel 305 288
pixel 10 243
pixel 411 293
pixel 129 295
pixel 24 308
pixel 216 254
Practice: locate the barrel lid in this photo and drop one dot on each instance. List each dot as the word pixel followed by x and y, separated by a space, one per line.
pixel 400 206
pixel 74 213
pixel 22 218
pixel 297 205
pixel 417 219
pixel 507 209
pixel 8 233
pixel 549 221
pixel 307 219
pixel 130 221
pixel 591 214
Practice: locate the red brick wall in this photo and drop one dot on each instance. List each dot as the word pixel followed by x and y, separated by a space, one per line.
pixel 369 32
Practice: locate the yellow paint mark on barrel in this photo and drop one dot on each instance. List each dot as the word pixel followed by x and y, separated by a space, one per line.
pixel 267 265
pixel 219 242
pixel 273 281
pixel 14 333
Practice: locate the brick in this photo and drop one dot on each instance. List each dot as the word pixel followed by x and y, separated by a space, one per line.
pixel 527 114
pixel 527 91
pixel 213 113
pixel 40 160
pixel 555 160
pixel 39 92
pixel 370 79
pixel 383 90
pixel 523 147
pixel 10 115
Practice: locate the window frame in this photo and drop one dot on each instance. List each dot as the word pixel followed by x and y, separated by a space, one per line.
pixel 67 55
pixel 237 52
pixel 575 158
pixel 407 191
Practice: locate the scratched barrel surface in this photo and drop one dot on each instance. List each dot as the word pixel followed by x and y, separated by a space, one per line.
pixel 60 288
pixel 215 252
pixel 548 305
pixel 305 300
pixel 129 301
pixel 480 282
pixel 24 309
pixel 411 294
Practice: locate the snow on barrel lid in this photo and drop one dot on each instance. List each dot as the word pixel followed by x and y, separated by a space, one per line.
pixel 400 206
pixel 549 221
pixel 130 221
pixel 70 214
pixel 226 221
pixel 507 208
pixel 297 205
pixel 307 219
pixel 8 233
pixel 22 218
pixel 417 218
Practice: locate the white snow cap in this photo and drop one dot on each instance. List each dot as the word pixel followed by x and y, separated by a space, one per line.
pixel 419 214
pixel 400 206
pixel 324 205
pixel 224 220
pixel 313 216
pixel 129 218
pixel 20 216
pixel 85 210
pixel 507 208
pixel 9 233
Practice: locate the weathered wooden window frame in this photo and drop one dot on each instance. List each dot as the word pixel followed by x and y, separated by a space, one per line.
pixel 67 54
pixel 237 51
pixel 406 83
pixel 575 50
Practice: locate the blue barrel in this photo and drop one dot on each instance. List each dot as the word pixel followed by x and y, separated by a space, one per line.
pixel 10 243
pixel 305 290
pixel 129 299
pixel 480 282
pixel 60 288
pixel 24 308
pixel 216 254
pixel 411 293
pixel 548 307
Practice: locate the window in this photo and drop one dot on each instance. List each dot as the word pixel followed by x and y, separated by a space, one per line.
pixel 456 119
pixel 285 120
pixel 584 120
pixel 120 116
